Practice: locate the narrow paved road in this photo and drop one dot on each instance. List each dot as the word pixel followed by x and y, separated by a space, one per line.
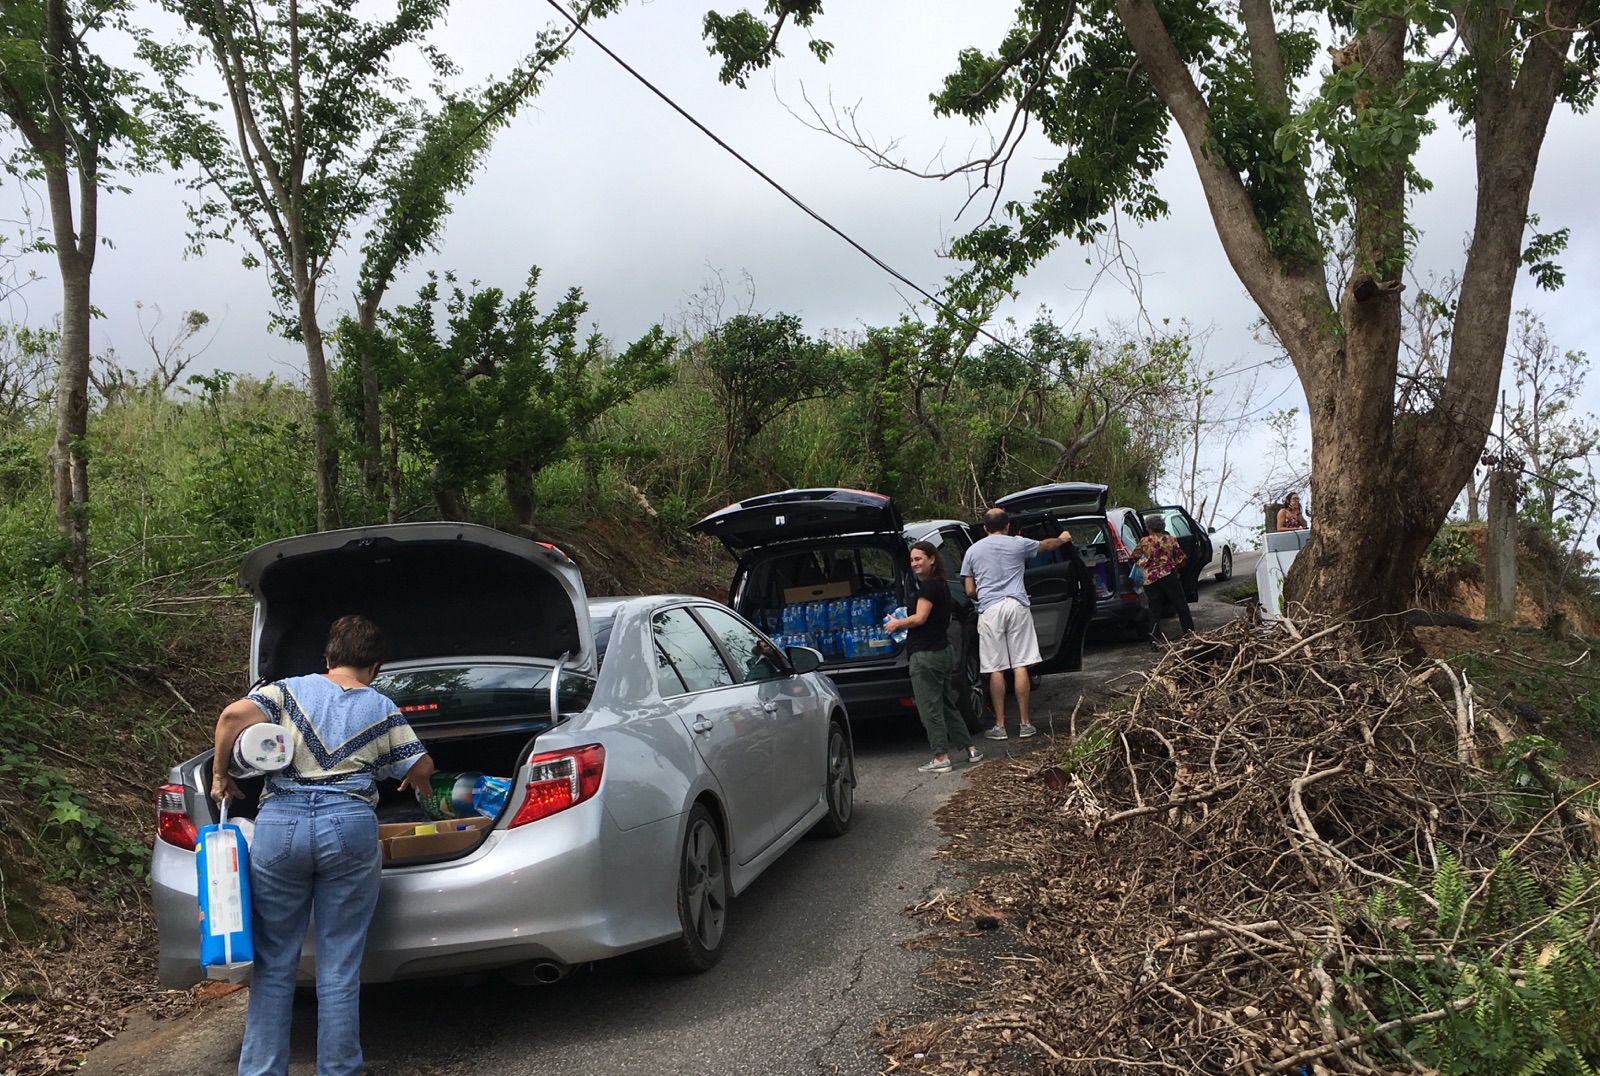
pixel 814 957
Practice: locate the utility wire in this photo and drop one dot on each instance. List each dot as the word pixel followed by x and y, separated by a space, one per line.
pixel 780 188
pixel 579 27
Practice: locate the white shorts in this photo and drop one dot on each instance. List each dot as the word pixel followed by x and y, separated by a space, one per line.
pixel 1006 639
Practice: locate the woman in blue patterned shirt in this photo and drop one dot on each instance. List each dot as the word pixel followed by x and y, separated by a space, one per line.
pixel 315 852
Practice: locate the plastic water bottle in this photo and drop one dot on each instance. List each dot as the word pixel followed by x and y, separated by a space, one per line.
pixel 898 613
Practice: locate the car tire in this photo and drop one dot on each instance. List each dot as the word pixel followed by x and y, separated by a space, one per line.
pixel 1226 571
pixel 840 790
pixel 703 896
pixel 972 693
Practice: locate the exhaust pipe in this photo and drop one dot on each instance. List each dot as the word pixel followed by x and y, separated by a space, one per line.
pixel 536 972
pixel 548 971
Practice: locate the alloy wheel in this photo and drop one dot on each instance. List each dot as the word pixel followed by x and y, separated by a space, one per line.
pixel 841 775
pixel 705 889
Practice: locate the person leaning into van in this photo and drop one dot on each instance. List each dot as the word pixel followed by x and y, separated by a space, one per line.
pixel 994 573
pixel 928 651
pixel 1160 556
pixel 315 851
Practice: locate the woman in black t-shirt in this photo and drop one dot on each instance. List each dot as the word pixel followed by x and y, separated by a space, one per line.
pixel 928 647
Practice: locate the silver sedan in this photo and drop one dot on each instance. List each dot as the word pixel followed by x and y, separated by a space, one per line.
pixel 661 753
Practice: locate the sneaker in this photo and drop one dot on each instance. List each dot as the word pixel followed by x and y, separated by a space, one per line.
pixel 1024 731
pixel 937 767
pixel 974 755
pixel 995 732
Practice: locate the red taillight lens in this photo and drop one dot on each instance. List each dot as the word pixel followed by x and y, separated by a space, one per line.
pixel 173 823
pixel 1130 596
pixel 560 779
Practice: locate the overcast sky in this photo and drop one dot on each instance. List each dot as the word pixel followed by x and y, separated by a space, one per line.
pixel 603 187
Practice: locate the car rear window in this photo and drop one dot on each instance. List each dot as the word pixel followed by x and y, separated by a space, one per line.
pixel 480 692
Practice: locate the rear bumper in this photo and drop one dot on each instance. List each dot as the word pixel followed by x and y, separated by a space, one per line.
pixel 553 890
pixel 1114 610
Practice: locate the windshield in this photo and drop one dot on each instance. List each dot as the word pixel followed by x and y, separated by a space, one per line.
pixel 480 692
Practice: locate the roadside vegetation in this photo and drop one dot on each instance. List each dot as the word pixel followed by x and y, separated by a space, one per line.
pixel 1384 866
pixel 99 693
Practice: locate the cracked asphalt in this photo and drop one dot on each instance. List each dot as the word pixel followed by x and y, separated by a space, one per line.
pixel 814 957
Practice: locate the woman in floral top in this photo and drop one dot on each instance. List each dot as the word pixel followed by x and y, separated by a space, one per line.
pixel 1159 554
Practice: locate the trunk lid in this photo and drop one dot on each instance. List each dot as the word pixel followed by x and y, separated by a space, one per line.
pixel 799 514
pixel 1060 498
pixel 439 592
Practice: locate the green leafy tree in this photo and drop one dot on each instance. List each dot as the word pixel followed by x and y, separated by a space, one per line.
pixel 761 368
pixel 1303 122
pixel 500 389
pixel 322 135
pixel 414 200
pixel 76 116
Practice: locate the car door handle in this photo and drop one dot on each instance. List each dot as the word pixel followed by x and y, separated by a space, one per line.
pixel 701 724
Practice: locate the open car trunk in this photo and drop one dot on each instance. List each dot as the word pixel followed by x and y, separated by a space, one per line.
pixel 828 594
pixel 472 718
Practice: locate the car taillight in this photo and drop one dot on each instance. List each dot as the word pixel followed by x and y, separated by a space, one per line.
pixel 173 823
pixel 558 780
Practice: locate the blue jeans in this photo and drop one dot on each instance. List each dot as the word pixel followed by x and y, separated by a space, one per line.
pixel 313 852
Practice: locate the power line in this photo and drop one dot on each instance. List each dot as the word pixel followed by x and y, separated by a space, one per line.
pixel 579 27
pixel 781 189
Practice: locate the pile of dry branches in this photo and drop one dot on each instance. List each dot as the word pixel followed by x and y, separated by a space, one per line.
pixel 1188 884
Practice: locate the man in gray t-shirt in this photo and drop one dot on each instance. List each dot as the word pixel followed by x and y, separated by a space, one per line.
pixel 992 571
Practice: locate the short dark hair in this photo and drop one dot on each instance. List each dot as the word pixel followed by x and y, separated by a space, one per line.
pixel 354 641
pixel 995 520
pixel 928 548
pixel 1155 524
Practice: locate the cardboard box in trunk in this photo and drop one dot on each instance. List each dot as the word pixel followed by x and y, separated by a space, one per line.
pixel 401 841
pixel 820 592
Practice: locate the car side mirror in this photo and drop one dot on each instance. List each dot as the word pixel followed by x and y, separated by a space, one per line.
pixel 1211 530
pixel 803 659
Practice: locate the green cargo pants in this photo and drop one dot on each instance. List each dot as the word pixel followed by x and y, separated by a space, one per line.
pixel 930 686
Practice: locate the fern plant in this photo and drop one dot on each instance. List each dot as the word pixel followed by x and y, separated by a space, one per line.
pixel 1514 975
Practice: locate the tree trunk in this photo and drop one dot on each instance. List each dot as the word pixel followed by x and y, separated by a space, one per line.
pixel 1473 512
pixel 372 463
pixel 519 493
pixel 75 242
pixel 326 444
pixel 448 497
pixel 69 461
pixel 1382 487
pixel 393 514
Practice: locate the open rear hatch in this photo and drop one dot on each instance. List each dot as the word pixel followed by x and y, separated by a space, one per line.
pixel 797 514
pixel 818 568
pixel 480 626
pixel 1061 499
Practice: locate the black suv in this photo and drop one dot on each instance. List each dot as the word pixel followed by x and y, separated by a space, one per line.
pixel 820 568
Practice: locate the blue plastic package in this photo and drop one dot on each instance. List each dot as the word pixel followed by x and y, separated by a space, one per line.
pixel 489 795
pixel 227 947
pixel 898 613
